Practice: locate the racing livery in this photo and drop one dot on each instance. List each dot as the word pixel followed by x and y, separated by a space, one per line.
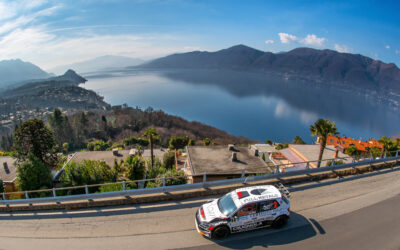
pixel 244 209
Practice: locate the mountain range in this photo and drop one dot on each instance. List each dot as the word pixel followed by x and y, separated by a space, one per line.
pixel 106 62
pixel 16 70
pixel 324 66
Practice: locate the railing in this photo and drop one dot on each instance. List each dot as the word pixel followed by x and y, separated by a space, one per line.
pixel 87 191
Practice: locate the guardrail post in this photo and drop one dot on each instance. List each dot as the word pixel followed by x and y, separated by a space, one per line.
pixel 354 159
pixel 371 157
pixel 243 173
pixel 397 153
pixel 308 165
pixel 333 162
pixel 54 192
pixel 26 195
pixel 123 186
pixel 163 181
pixel 4 196
pixel 278 169
pixel 204 178
pixel 86 189
pixel 384 156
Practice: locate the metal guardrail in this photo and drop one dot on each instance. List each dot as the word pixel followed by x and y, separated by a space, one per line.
pixel 163 189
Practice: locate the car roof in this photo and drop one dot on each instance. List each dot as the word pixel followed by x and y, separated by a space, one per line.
pixel 246 195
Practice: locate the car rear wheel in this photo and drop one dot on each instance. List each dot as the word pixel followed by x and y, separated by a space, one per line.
pixel 280 221
pixel 220 232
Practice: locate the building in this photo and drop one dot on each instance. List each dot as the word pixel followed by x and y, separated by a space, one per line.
pixel 222 162
pixel 344 142
pixel 296 156
pixel 8 173
pixel 110 156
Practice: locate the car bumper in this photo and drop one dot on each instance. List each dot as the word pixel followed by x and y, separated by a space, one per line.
pixel 201 231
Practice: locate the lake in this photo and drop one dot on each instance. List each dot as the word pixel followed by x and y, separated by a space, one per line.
pixel 247 104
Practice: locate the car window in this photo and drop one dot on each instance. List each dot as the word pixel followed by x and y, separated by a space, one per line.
pixel 247 209
pixel 268 205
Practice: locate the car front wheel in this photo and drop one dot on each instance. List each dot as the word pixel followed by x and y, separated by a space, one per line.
pixel 220 232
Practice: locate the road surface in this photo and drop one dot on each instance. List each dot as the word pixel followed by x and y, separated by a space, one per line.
pixel 350 213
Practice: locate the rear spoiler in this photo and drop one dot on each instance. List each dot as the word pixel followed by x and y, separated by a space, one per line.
pixel 284 191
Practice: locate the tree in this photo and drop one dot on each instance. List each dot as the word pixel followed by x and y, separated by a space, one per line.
pixel 176 142
pixel 389 146
pixel 136 167
pixel 172 177
pixel 323 128
pixel 65 147
pixel 169 160
pixel 353 151
pixel 33 174
pixel 375 152
pixel 192 142
pixel 151 133
pixel 298 140
pixel 33 137
pixel 267 141
pixel 206 141
pixel 61 128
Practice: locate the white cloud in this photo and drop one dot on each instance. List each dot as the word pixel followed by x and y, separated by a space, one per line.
pixel 310 39
pixel 313 40
pixel 387 47
pixel 287 38
pixel 343 48
pixel 269 41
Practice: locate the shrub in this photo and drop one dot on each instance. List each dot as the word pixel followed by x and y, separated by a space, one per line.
pixel 206 141
pixel 136 141
pixel 177 142
pixel 150 185
pixel 337 162
pixel 98 146
pixel 117 187
pixel 136 167
pixel 172 177
pixel 169 160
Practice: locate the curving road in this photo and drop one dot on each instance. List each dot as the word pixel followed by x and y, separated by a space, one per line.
pixel 361 212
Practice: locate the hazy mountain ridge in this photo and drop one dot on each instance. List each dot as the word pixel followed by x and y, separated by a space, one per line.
pixel 99 63
pixel 16 70
pixel 325 66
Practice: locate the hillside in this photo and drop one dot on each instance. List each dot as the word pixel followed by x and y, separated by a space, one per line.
pixel 13 71
pixel 323 66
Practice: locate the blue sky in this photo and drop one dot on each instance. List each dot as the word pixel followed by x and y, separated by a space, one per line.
pixel 51 33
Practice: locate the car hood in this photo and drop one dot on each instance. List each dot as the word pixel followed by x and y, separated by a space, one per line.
pixel 211 211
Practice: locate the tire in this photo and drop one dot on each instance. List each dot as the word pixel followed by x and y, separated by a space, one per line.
pixel 280 221
pixel 220 233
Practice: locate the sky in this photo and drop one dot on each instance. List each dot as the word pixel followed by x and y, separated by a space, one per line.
pixel 52 33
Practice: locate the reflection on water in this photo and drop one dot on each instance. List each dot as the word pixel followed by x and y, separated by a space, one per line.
pixel 252 105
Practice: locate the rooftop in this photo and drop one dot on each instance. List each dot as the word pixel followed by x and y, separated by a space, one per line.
pixel 218 160
pixel 108 156
pixel 8 168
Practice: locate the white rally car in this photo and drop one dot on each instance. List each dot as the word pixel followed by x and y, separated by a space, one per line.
pixel 244 209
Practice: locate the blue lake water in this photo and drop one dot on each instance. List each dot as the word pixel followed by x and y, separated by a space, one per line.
pixel 250 105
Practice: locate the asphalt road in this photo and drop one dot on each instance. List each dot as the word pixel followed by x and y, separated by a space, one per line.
pixel 350 213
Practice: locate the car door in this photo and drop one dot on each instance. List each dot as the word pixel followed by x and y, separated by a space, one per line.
pixel 244 219
pixel 267 211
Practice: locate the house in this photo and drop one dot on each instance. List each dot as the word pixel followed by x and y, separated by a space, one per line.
pixel 222 162
pixel 110 156
pixel 344 142
pixel 296 156
pixel 8 173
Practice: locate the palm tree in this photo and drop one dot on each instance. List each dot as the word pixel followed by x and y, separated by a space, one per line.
pixel 322 128
pixel 151 133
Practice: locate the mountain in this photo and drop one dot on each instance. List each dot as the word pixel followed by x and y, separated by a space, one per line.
pixel 16 70
pixel 322 66
pixel 99 63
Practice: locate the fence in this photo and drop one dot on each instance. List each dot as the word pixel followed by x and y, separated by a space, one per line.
pixel 86 192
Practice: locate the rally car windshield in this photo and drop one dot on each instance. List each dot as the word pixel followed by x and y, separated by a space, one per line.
pixel 226 205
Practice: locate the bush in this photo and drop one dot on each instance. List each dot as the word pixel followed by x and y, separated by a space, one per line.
pixel 150 185
pixel 281 146
pixel 98 146
pixel 206 141
pixel 156 170
pixel 337 162
pixel 172 177
pixel 33 174
pixel 86 173
pixel 169 160
pixel 178 142
pixel 136 167
pixel 136 141
pixel 117 187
